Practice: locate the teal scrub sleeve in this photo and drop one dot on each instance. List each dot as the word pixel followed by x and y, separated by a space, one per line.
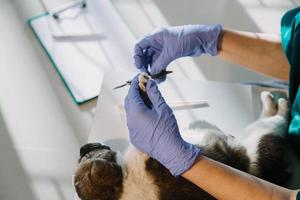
pixel 290 35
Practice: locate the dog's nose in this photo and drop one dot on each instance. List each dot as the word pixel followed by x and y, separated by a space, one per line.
pixel 90 147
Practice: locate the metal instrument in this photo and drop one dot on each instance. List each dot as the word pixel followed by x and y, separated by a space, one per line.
pixel 152 76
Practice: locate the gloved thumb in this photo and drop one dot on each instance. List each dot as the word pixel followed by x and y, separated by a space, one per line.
pixel 156 98
pixel 160 63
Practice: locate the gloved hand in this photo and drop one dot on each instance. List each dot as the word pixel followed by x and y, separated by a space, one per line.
pixel 155 131
pixel 161 47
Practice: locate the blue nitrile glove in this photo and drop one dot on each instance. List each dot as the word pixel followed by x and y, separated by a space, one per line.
pixel 160 48
pixel 155 131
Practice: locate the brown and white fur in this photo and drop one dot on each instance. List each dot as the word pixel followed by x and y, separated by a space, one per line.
pixel 260 151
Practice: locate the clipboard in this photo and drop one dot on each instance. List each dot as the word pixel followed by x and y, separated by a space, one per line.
pixel 82 62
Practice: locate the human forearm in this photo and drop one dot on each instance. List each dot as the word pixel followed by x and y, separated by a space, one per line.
pixel 256 51
pixel 226 183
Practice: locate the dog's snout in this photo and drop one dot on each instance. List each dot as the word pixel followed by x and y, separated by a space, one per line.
pixel 91 147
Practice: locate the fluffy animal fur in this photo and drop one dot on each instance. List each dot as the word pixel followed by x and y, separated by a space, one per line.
pixel 260 151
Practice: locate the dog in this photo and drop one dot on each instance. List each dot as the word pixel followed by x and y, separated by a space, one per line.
pixel 102 173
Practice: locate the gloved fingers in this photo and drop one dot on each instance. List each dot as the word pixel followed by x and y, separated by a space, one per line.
pixel 160 79
pixel 157 38
pixel 134 109
pixel 160 63
pixel 154 55
pixel 156 98
pixel 133 101
pixel 151 53
pixel 141 52
pixel 151 41
pixel 148 57
pixel 133 92
pixel 163 51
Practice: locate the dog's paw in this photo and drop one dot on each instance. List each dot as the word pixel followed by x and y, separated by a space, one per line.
pixel 283 107
pixel 274 104
pixel 143 78
pixel 268 104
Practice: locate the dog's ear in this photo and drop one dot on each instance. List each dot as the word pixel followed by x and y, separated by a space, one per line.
pixel 99 179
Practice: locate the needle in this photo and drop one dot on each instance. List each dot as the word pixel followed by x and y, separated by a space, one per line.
pixel 123 85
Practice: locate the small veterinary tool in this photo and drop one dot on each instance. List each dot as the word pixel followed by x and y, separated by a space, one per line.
pixel 123 85
pixel 152 76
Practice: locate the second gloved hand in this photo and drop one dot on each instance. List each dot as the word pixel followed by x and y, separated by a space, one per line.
pixel 161 47
pixel 155 131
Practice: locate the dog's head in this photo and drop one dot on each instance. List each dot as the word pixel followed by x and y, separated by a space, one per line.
pixel 98 175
